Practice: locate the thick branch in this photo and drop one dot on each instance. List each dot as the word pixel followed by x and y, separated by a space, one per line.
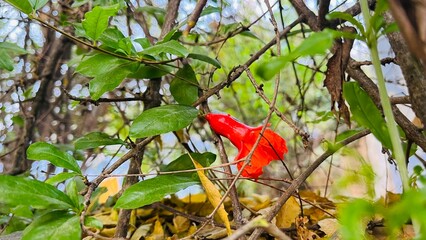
pixel 309 17
pixel 412 69
pixel 322 11
pixel 370 87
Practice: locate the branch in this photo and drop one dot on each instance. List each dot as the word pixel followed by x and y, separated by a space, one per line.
pixel 86 100
pixel 258 222
pixel 370 87
pixel 193 19
pixel 309 17
pixel 94 47
pixel 323 9
pixel 171 15
pixel 236 72
pixel 302 178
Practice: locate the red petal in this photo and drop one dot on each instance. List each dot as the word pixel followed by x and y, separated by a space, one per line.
pixel 271 147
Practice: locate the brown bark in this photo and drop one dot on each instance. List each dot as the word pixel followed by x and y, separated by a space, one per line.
pixel 57 50
pixel 412 68
pixel 372 90
pixel 152 98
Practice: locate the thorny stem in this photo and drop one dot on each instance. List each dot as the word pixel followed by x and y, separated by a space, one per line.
pixel 384 98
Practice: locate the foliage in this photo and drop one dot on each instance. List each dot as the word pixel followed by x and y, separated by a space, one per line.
pixel 116 84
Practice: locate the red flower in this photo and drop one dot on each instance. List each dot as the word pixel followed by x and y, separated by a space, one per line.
pixel 243 137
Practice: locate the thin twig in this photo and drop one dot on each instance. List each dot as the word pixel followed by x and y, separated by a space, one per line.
pixel 299 180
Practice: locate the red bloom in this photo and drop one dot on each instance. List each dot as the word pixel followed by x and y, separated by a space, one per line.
pixel 243 137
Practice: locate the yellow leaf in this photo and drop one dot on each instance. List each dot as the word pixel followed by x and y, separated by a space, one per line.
pixel 114 215
pixel 213 195
pixel 181 224
pixel 112 186
pixel 195 198
pixel 288 213
pixel 141 232
pixel 108 232
pixel 158 232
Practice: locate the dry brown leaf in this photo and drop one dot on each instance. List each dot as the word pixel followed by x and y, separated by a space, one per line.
pixel 256 202
pixel 159 141
pixel 288 212
pixel 317 199
pixel 315 214
pixel 213 195
pixel 408 232
pixel 303 233
pixel 336 73
pixel 329 226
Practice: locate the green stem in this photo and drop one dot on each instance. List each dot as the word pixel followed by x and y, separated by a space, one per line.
pixel 384 98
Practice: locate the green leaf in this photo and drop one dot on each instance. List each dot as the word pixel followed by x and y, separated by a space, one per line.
pixel 18 120
pixel 347 17
pixel 316 43
pixel 55 225
pixel 148 72
pixel 23 191
pixel 125 46
pixel 93 222
pixel 144 42
pixel 249 34
pixel 22 5
pixel 346 134
pixel 78 3
pixel 96 21
pixel 37 4
pixel 153 190
pixel 365 112
pixel 352 217
pixel 393 27
pixel 98 64
pixel 184 86
pixel 156 12
pixel 205 58
pixel 72 192
pixel 46 151
pixel 172 47
pixel 109 80
pixel 110 37
pixel 96 139
pixel 6 61
pixel 184 162
pixel 108 72
pixel 174 34
pixel 162 119
pixel 209 10
pixel 12 48
pixel 60 177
